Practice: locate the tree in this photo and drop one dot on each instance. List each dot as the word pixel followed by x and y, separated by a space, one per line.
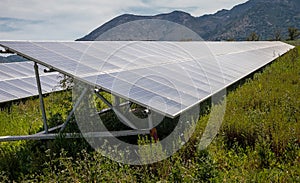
pixel 230 39
pixel 293 33
pixel 277 35
pixel 253 37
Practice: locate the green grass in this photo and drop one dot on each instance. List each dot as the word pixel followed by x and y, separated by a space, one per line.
pixel 259 140
pixel 295 42
pixel 24 117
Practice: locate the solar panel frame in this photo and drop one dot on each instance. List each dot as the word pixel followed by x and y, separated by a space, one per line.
pixel 225 54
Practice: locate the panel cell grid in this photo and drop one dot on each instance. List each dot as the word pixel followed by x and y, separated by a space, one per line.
pixel 178 74
pixel 21 82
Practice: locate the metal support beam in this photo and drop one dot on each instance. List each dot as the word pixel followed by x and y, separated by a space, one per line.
pixel 117 101
pixel 118 113
pixel 50 129
pixel 73 110
pixel 103 111
pixel 74 135
pixel 150 119
pixel 42 105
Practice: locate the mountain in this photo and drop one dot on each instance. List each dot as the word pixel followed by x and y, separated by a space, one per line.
pixel 264 17
pixel 12 58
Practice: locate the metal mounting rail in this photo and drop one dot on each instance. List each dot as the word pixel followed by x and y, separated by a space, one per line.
pixel 53 136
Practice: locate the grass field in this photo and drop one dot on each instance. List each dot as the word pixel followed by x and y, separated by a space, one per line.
pixel 259 140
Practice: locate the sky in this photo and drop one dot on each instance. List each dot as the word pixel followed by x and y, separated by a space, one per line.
pixel 73 19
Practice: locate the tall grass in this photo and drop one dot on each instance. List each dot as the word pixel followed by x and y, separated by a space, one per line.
pixel 266 108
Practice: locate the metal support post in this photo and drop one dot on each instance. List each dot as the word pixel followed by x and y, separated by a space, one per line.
pixel 42 105
pixel 117 101
pixel 150 119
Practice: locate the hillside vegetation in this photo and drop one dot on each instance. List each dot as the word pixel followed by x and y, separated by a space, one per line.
pixel 265 17
pixel 259 140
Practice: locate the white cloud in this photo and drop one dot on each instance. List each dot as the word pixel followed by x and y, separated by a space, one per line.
pixel 70 19
pixel 199 7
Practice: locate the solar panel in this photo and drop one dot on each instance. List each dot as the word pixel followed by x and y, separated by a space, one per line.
pixel 168 77
pixel 17 81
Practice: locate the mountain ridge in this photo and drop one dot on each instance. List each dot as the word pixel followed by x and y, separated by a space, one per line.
pixel 264 17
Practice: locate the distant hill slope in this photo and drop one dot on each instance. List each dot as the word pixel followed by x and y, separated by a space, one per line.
pixel 12 58
pixel 265 17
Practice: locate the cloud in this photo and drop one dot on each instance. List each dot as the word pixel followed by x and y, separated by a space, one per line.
pixel 14 24
pixel 70 19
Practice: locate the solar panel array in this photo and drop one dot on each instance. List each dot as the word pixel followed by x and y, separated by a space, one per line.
pixel 17 81
pixel 168 77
